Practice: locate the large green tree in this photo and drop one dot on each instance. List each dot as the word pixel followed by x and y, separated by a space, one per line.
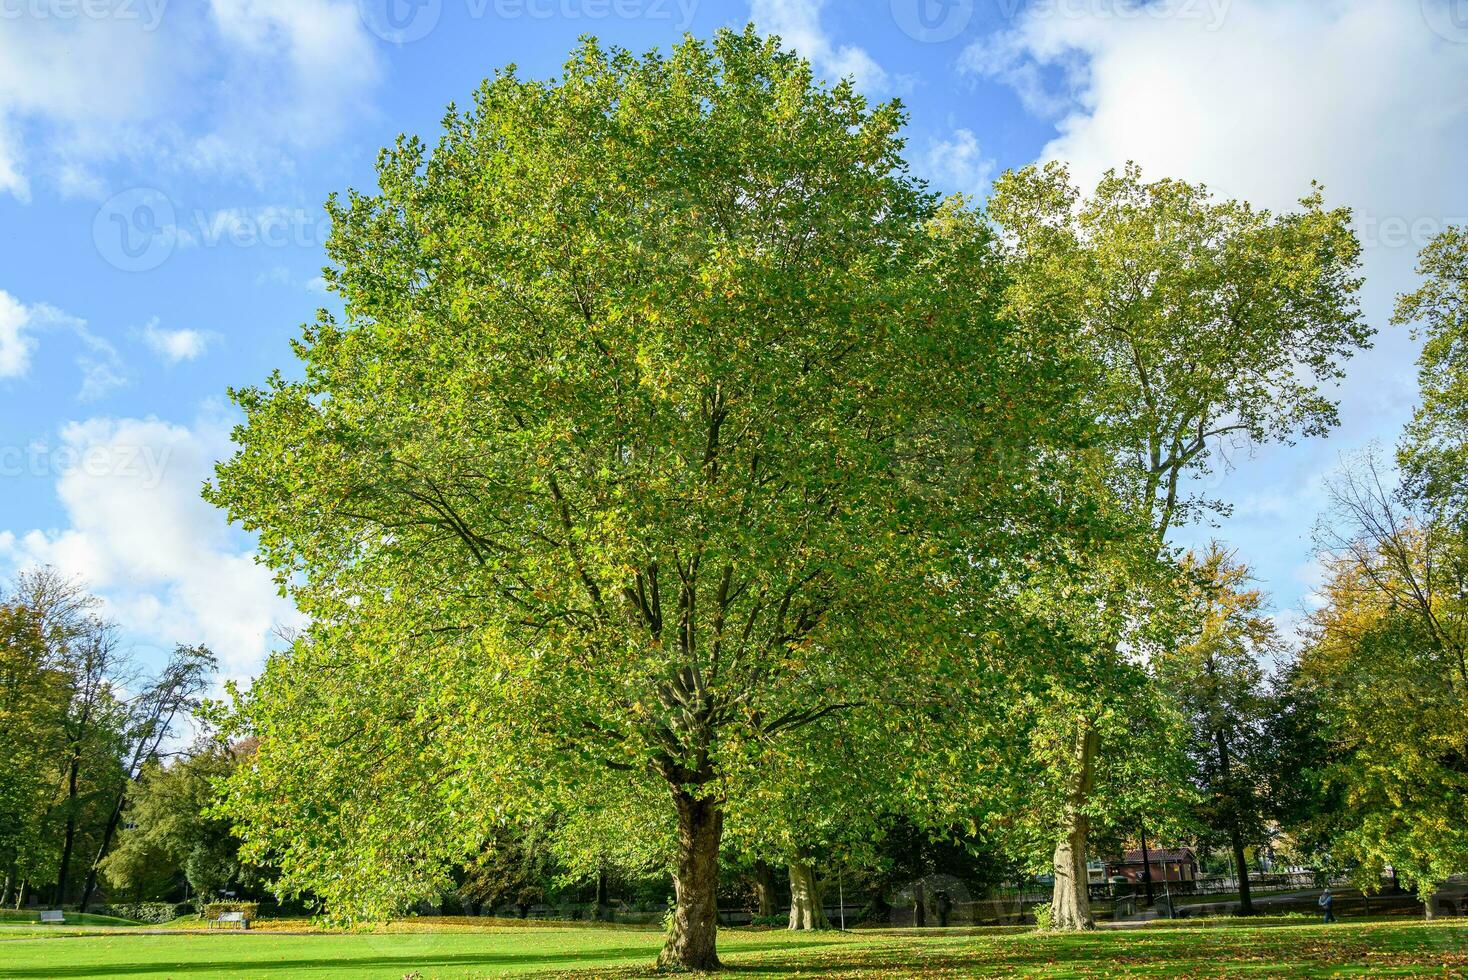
pixel 1214 325
pixel 663 401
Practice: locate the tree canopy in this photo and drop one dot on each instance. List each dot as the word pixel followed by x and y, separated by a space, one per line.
pixel 667 417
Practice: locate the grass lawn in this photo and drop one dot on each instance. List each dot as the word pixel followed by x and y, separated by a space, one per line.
pixel 1370 949
pixel 28 917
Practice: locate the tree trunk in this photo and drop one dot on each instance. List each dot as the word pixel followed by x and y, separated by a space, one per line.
pixel 764 889
pixel 20 893
pixel 1226 779
pixel 919 905
pixel 112 821
pixel 1427 895
pixel 69 840
pixel 1070 907
pixel 692 940
pixel 807 911
pixel 1146 868
pixel 601 895
pixel 1246 901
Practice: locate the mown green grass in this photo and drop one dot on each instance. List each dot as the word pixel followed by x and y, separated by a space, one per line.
pixel 1378 949
pixel 32 917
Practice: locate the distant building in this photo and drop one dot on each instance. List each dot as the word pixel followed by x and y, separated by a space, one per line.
pixel 1167 863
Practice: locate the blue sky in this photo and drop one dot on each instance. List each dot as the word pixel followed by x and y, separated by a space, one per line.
pixel 163 165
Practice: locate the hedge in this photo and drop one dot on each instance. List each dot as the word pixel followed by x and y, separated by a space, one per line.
pixel 153 913
pixel 215 909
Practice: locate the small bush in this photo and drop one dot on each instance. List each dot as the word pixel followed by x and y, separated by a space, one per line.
pixel 215 909
pixel 1044 916
pixel 768 920
pixel 152 913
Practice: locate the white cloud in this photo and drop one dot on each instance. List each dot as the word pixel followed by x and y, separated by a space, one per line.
pixel 232 86
pixel 1256 98
pixel 175 345
pixel 798 22
pixel 165 562
pixel 957 164
pixel 1360 94
pixel 101 366
pixel 16 343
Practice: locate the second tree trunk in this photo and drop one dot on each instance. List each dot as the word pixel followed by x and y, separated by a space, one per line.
pixel 807 910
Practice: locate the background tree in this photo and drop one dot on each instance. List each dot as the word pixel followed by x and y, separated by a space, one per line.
pixel 1214 323
pixel 84 650
pixel 1298 752
pixel 152 721
pixel 1434 451
pixel 633 453
pixel 171 833
pixel 515 869
pixel 1387 651
pixel 1216 675
pixel 32 706
pixel 85 724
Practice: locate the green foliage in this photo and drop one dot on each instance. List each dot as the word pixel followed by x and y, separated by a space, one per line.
pixel 1434 453
pixel 1387 654
pixel 1043 916
pixel 170 828
pixel 33 699
pixel 515 868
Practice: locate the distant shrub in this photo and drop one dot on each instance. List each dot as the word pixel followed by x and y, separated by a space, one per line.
pixel 1044 916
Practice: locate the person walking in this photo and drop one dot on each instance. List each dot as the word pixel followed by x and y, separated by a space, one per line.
pixel 1327 902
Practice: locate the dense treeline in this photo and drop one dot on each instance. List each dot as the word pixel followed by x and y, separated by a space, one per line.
pixel 80 730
